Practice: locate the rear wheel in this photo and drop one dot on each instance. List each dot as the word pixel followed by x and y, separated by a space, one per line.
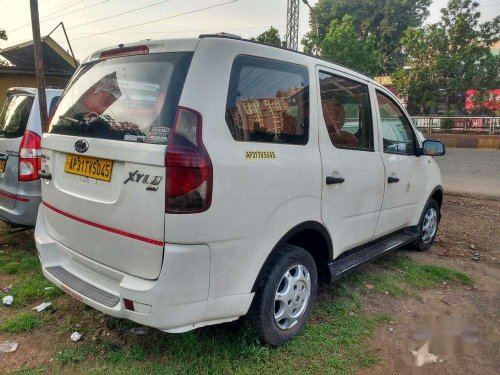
pixel 428 226
pixel 284 295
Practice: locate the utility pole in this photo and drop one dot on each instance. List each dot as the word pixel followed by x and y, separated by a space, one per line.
pixel 292 24
pixel 314 17
pixel 37 49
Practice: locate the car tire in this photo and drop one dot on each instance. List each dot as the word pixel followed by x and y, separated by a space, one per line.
pixel 428 225
pixel 284 295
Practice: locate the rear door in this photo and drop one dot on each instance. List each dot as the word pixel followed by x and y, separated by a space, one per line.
pixel 353 173
pixel 105 151
pixel 13 120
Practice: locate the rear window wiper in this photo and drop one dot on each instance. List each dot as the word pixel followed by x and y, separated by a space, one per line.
pixel 72 120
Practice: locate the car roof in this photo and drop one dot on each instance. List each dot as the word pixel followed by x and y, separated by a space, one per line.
pixel 155 46
pixel 189 44
pixel 30 91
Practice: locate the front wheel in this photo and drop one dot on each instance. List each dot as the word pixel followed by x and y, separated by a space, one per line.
pixel 285 295
pixel 428 226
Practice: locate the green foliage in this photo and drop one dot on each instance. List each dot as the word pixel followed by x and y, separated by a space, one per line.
pixel 428 275
pixel 3 35
pixel 32 288
pixel 343 44
pixel 449 57
pixel 25 322
pixel 271 37
pixel 447 123
pixel 18 262
pixel 384 20
pixel 39 370
pixel 72 355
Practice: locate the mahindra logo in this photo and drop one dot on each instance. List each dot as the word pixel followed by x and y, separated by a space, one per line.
pixel 81 146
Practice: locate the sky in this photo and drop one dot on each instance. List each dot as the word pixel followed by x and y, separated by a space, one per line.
pixel 87 32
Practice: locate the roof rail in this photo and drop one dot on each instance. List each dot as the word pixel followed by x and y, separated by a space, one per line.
pixel 237 37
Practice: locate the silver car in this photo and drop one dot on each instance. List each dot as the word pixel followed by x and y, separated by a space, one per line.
pixel 20 154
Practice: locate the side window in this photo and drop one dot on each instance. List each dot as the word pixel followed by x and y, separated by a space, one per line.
pixel 53 103
pixel 347 112
pixel 397 133
pixel 268 101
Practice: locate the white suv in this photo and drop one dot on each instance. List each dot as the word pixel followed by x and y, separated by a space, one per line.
pixel 192 182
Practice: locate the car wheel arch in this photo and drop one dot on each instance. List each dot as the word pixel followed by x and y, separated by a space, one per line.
pixel 314 237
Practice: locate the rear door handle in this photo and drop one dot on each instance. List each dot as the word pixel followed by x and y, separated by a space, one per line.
pixel 330 180
pixel 392 180
pixel 45 175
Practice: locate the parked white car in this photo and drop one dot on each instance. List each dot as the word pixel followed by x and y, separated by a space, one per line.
pixel 20 135
pixel 192 182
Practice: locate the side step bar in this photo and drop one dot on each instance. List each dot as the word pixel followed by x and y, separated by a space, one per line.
pixel 348 263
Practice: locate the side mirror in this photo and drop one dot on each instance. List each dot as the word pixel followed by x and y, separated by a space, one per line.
pixel 433 148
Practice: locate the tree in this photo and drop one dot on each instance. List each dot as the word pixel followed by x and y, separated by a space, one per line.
pixel 447 58
pixel 344 45
pixel 3 35
pixel 271 37
pixel 385 20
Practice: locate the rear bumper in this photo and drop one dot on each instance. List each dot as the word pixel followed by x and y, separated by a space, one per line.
pixel 176 302
pixel 24 213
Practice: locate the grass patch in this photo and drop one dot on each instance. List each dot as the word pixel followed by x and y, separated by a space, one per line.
pixel 335 341
pixel 13 262
pixel 24 322
pixel 72 355
pixel 32 288
pixel 400 273
pixel 427 275
pixel 40 370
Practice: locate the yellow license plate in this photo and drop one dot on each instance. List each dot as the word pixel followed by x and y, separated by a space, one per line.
pixel 99 169
pixel 2 166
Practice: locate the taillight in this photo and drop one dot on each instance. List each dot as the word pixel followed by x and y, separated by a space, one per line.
pixel 30 160
pixel 189 169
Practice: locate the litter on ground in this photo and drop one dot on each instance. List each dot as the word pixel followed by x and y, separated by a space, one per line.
pixel 42 306
pixel 7 300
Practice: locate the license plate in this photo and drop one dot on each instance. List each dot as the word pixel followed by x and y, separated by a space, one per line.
pixel 99 169
pixel 2 166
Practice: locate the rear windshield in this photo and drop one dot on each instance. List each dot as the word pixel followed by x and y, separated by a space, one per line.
pixel 14 115
pixel 130 98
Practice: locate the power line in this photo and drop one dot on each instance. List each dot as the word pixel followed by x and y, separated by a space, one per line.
pixel 57 6
pixel 119 14
pixel 60 10
pixel 183 31
pixel 60 15
pixel 76 10
pixel 160 19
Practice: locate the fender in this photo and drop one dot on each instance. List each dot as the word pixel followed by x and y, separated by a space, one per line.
pixel 314 225
pixel 438 187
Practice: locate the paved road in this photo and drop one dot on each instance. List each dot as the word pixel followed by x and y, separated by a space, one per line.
pixel 472 171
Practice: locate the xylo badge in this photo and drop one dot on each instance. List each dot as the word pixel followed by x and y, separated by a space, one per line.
pixel 151 181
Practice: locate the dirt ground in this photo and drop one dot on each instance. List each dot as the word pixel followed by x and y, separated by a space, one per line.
pixel 470 228
pixel 468 241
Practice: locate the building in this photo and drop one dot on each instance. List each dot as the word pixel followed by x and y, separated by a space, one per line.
pixel 19 68
pixel 269 115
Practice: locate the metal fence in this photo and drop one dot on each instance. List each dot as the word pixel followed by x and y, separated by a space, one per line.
pixel 430 124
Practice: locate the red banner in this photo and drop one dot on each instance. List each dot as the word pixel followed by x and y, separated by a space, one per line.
pixel 492 101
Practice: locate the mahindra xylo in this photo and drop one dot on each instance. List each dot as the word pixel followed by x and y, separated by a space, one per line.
pixel 192 182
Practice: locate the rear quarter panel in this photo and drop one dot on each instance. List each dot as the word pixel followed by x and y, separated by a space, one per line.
pixel 255 202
